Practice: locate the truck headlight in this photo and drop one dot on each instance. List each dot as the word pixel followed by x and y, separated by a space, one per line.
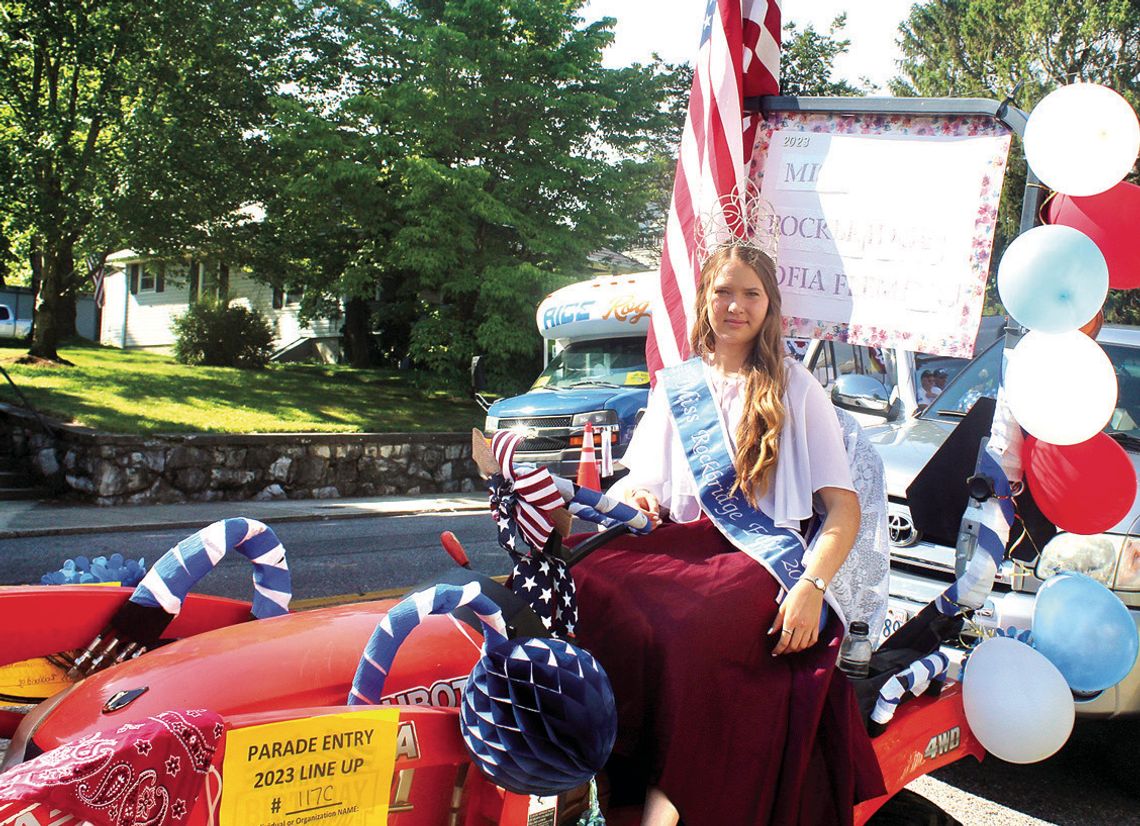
pixel 1094 556
pixel 597 417
pixel 491 424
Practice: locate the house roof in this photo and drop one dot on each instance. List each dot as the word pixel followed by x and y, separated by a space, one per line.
pixel 126 257
pixel 612 261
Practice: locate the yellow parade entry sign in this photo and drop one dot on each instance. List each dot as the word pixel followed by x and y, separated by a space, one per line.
pixel 334 770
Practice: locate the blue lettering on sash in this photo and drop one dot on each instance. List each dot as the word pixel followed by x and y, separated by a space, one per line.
pixel 703 437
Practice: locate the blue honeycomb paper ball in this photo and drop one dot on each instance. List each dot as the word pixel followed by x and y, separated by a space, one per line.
pixel 538 715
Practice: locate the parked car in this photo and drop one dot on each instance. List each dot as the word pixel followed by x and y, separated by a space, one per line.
pixel 922 568
pixel 12 327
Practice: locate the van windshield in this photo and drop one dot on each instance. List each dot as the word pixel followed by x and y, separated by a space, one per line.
pixel 614 362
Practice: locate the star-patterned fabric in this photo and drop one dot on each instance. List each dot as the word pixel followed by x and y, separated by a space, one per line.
pixel 544 581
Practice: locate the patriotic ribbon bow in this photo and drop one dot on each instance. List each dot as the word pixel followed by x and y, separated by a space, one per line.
pixel 521 502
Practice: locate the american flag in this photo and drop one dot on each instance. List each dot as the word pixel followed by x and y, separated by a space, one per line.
pixel 95 269
pixel 739 56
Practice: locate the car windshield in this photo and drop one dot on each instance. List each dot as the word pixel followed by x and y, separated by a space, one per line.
pixel 981 378
pixel 615 362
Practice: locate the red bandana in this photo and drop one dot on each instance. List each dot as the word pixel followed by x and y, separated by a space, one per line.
pixel 144 773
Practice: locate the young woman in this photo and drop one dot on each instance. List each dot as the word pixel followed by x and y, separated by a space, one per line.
pixel 713 628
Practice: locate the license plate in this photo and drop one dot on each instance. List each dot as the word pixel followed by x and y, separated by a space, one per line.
pixel 896 618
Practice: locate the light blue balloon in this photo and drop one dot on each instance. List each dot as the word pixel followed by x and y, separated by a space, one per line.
pixel 1086 631
pixel 1053 279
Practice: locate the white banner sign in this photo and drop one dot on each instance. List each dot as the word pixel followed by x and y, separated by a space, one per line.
pixel 886 226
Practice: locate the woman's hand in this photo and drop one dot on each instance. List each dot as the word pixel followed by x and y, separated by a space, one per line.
pixel 647 503
pixel 797 621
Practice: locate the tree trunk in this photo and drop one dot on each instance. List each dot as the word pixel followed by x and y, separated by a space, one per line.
pixel 51 303
pixel 356 337
pixel 67 314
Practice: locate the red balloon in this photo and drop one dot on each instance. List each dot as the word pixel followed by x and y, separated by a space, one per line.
pixel 1085 488
pixel 1109 219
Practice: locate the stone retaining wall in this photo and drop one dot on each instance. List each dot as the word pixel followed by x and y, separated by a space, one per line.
pixel 110 469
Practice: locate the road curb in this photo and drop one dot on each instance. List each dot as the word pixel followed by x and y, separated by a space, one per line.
pixel 270 519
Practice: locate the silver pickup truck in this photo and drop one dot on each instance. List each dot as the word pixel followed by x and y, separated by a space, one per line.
pixel 922 568
pixel 12 327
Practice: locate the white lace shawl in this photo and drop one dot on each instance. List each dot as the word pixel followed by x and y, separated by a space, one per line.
pixel 860 586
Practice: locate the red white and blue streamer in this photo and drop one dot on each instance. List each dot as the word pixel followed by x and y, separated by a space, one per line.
pixel 393 629
pixel 997 514
pixel 914 680
pixel 595 506
pixel 169 581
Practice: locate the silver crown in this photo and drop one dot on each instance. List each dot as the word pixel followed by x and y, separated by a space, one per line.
pixel 742 218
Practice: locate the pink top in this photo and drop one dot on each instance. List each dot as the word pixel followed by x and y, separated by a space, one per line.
pixel 800 472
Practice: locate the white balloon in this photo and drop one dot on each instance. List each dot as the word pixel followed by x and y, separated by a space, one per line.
pixel 1017 703
pixel 1082 139
pixel 1061 388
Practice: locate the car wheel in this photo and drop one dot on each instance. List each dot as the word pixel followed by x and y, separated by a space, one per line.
pixel 909 808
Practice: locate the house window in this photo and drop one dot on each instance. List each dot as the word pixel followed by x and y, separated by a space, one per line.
pixel 147 278
pixel 215 281
pixel 283 298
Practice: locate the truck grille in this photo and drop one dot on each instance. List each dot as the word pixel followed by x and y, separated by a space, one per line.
pixel 537 421
pixel 543 444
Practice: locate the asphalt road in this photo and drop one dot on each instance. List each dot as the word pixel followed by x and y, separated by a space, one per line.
pixel 1095 779
pixel 326 557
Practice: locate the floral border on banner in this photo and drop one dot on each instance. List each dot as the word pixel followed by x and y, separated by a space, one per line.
pixel 985 225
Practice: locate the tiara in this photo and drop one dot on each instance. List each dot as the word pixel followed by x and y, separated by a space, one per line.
pixel 742 218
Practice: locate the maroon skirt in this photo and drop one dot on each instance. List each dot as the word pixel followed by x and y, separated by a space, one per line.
pixel 731 734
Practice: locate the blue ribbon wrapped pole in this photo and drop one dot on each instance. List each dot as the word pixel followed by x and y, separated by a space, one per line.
pixel 156 600
pixel 537 715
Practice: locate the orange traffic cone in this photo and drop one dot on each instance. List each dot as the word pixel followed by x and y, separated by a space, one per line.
pixel 587 468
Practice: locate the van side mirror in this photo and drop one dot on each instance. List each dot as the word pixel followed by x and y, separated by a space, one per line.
pixel 861 394
pixel 478 375
pixel 478 381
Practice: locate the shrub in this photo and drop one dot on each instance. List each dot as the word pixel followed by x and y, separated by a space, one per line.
pixel 212 332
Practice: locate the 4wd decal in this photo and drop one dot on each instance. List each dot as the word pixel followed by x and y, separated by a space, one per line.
pixel 942 743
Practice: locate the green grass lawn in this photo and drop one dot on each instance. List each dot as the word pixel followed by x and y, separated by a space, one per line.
pixel 132 392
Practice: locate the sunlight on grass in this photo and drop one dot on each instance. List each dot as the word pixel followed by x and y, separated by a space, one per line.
pixel 131 392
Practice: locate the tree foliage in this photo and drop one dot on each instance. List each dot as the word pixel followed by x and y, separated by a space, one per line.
pixel 128 121
pixel 990 48
pixel 807 61
pixel 473 155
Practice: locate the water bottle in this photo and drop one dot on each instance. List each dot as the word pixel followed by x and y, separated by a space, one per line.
pixel 855 652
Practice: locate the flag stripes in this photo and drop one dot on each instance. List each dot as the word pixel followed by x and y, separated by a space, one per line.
pixel 96 270
pixel 739 55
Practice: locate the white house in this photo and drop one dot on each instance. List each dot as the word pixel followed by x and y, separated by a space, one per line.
pixel 143 296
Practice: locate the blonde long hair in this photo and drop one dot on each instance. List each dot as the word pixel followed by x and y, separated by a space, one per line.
pixel 758 435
